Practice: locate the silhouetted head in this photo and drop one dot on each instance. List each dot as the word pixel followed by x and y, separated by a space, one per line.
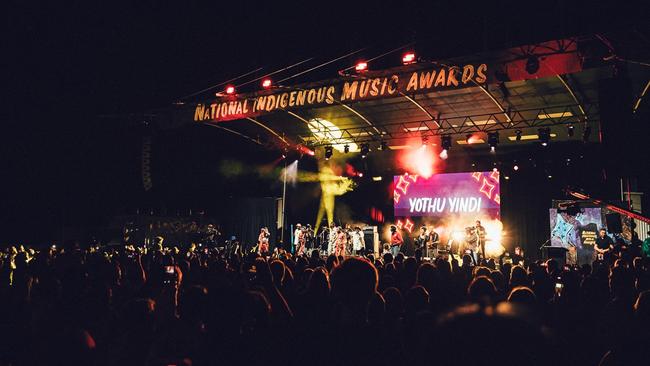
pixel 354 282
pixel 394 302
pixel 522 295
pixel 481 289
pixel 417 300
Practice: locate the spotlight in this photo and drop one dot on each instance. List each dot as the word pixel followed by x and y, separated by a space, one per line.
pixel 570 130
pixel 493 140
pixel 383 146
pixel 468 137
pixel 346 148
pixel 518 135
pixel 230 89
pixel 408 58
pixel 532 64
pixel 544 135
pixel 586 133
pixel 328 152
pixel 443 154
pixel 515 167
pixel 365 149
pixel 267 83
pixel 361 66
pixel 445 142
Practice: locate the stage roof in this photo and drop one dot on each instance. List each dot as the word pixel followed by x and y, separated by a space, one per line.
pixel 551 85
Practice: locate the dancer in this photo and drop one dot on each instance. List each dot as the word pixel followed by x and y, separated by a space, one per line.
pixel 333 235
pixel 358 242
pixel 296 237
pixel 263 242
pixel 341 242
pixel 302 239
pixel 396 240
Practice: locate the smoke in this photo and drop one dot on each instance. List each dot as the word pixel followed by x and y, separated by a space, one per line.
pixel 291 173
pixel 332 185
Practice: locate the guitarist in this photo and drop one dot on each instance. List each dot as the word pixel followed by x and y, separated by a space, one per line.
pixel 422 240
pixel 434 243
pixel 604 246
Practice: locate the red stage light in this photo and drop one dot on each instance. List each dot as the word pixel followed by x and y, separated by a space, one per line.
pixel 408 58
pixel 361 66
pixel 305 150
pixel 230 89
pixel 418 159
pixel 266 83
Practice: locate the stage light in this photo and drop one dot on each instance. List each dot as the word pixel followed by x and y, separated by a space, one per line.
pixel 445 142
pixel 468 137
pixel 361 66
pixel 515 167
pixel 408 58
pixel 507 177
pixel 328 152
pixel 570 130
pixel 360 175
pixel 383 146
pixel 544 135
pixel 267 83
pixel 532 64
pixel 518 135
pixel 346 148
pixel 365 149
pixel 493 140
pixel 302 149
pixel 550 176
pixel 376 179
pixel 230 89
pixel 443 154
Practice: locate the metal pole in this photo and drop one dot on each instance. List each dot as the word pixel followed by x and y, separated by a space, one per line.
pixel 284 198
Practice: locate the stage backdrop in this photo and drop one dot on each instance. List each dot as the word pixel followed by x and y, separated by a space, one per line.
pixel 448 203
pixel 575 227
pixel 442 195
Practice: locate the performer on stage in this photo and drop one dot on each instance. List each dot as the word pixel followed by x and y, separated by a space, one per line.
pixel 333 235
pixel 263 242
pixel 422 241
pixel 296 237
pixel 396 240
pixel 341 242
pixel 480 235
pixel 302 240
pixel 604 246
pixel 471 243
pixel 434 242
pixel 358 242
pixel 309 238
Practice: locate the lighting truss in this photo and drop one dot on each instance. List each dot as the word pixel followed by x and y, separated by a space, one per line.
pixel 461 125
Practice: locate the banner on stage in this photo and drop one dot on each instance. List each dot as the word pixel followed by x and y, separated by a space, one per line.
pixel 450 194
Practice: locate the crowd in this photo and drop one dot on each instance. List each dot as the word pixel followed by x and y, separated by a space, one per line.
pixel 161 306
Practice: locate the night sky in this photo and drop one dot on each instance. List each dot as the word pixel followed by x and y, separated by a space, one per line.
pixel 74 73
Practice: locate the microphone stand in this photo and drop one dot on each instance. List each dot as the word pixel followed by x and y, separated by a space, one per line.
pixel 541 252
